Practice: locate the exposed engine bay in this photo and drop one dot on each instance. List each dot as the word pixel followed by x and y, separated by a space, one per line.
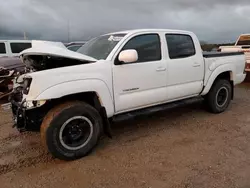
pixel 33 63
pixel 38 62
pixel 6 81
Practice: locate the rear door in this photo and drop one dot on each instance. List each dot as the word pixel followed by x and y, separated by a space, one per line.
pixel 142 83
pixel 185 66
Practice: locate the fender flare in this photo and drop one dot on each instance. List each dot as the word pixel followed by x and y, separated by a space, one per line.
pixel 219 70
pixel 81 86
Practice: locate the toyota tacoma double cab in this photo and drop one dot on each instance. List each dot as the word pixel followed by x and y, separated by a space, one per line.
pixel 71 97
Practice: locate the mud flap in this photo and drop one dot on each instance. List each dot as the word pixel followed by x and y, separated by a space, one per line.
pixel 106 123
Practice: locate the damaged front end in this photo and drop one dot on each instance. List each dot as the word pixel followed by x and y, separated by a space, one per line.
pixel 6 82
pixel 27 115
pixel 28 112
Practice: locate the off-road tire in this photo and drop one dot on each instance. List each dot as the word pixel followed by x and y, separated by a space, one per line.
pixel 54 120
pixel 211 99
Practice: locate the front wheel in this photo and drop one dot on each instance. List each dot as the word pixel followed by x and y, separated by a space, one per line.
pixel 71 130
pixel 219 96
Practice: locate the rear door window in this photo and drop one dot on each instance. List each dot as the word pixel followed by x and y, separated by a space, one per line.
pixel 2 48
pixel 180 46
pixel 19 47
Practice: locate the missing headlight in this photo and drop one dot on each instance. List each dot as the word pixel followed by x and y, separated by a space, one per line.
pixel 26 85
pixel 34 104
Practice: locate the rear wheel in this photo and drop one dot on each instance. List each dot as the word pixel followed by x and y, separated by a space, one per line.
pixel 219 96
pixel 71 130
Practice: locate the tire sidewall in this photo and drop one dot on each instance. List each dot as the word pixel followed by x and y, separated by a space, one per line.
pixel 52 134
pixel 213 96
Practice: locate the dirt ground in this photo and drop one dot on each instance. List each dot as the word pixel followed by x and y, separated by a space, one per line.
pixel 180 148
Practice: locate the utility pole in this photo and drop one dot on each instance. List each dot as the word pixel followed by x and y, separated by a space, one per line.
pixel 68 29
pixel 24 35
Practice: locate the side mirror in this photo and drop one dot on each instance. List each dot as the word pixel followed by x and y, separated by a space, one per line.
pixel 128 56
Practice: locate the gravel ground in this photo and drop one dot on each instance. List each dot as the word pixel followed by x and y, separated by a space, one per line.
pixel 183 148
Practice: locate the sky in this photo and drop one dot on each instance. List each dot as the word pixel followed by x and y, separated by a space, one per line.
pixel 214 21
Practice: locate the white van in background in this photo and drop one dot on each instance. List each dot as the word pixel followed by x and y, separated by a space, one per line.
pixel 11 48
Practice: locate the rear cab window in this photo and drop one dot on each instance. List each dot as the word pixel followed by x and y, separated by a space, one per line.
pixel 180 46
pixel 17 47
pixel 2 48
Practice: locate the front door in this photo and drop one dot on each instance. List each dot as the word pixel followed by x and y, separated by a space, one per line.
pixel 142 83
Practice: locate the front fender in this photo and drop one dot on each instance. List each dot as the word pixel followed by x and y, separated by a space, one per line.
pixel 216 72
pixel 80 86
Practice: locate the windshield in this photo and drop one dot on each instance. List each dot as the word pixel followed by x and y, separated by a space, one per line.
pixel 243 40
pixel 74 47
pixel 100 47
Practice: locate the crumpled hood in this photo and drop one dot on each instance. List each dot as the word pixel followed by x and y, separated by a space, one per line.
pixel 43 80
pixel 56 49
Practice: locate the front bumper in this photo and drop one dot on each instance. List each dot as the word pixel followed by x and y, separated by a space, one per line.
pixel 27 119
pixel 19 116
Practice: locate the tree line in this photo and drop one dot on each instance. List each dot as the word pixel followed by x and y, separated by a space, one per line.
pixel 209 47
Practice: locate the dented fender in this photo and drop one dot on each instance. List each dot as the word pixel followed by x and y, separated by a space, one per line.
pixel 81 86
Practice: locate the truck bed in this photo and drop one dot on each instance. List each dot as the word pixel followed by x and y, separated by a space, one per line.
pixel 220 54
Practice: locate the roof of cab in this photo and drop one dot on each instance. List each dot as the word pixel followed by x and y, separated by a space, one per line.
pixel 23 41
pixel 149 30
pixel 245 34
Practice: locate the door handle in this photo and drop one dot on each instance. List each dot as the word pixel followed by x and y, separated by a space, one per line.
pixel 196 65
pixel 160 69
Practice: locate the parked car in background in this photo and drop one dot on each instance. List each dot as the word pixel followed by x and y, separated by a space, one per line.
pixel 71 97
pixel 10 63
pixel 74 46
pixel 11 48
pixel 241 45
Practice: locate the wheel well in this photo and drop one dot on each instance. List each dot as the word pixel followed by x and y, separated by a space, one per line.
pixel 90 98
pixel 225 76
pixel 228 75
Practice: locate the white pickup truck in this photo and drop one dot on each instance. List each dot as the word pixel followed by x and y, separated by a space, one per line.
pixel 71 97
pixel 241 45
